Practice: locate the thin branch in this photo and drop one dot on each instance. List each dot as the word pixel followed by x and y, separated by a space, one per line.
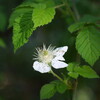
pixel 69 10
pixel 58 6
pixel 75 91
pixel 54 74
pixel 75 10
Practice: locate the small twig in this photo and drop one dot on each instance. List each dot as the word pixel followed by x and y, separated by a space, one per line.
pixel 54 74
pixel 71 12
pixel 75 91
pixel 75 10
pixel 58 6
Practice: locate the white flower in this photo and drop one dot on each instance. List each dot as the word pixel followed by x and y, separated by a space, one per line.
pixel 50 57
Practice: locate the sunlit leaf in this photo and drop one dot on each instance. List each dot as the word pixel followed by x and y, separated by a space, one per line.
pixel 47 91
pixel 60 86
pixel 42 16
pixel 88 44
pixel 23 28
pixel 86 71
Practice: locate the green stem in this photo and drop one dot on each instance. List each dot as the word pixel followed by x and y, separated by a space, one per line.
pixel 75 10
pixel 58 6
pixel 65 82
pixel 54 74
pixel 70 10
pixel 78 59
pixel 74 94
pixel 75 91
pixel 75 15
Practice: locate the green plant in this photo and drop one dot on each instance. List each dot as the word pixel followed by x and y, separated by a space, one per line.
pixel 30 15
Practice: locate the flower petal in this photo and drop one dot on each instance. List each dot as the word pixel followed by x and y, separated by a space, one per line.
pixel 58 64
pixel 59 58
pixel 41 67
pixel 60 51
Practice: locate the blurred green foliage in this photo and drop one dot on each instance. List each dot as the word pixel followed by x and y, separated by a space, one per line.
pixel 2 44
pixel 18 80
pixel 3 21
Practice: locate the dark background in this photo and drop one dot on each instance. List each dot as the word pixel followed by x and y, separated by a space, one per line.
pixel 18 80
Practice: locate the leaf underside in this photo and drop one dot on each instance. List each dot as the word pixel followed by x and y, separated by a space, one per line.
pixel 87 44
pixel 23 28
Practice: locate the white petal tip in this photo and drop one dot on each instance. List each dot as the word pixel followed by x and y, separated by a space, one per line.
pixel 65 48
pixel 41 67
pixel 59 64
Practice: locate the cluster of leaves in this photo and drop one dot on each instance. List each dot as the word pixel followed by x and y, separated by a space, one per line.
pixel 74 70
pixel 30 15
pixel 48 90
pixel 87 40
pixel 27 17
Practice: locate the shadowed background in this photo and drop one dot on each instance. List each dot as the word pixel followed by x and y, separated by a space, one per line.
pixel 18 80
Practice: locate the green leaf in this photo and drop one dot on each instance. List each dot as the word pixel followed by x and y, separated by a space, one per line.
pixel 88 44
pixel 87 19
pixel 23 28
pixel 43 5
pixel 90 19
pixel 49 3
pixel 2 44
pixel 60 86
pixel 21 9
pixel 71 66
pixel 75 27
pixel 73 75
pixel 16 13
pixel 75 70
pixel 47 91
pixel 40 6
pixel 27 4
pixel 42 16
pixel 86 72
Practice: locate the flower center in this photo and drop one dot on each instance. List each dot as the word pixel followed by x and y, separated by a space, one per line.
pixel 45 52
pixel 45 56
